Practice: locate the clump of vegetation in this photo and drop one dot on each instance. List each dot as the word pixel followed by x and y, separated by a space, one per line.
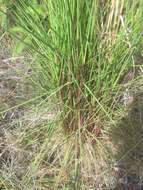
pixel 84 59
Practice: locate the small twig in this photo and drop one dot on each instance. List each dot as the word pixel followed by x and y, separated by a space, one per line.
pixel 2 36
pixel 141 69
pixel 13 58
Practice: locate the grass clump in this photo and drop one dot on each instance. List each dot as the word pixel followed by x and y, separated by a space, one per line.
pixel 84 59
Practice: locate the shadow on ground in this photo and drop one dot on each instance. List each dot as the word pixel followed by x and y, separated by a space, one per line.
pixel 127 139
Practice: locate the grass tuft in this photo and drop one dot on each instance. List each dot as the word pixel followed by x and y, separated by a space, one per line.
pixel 84 64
